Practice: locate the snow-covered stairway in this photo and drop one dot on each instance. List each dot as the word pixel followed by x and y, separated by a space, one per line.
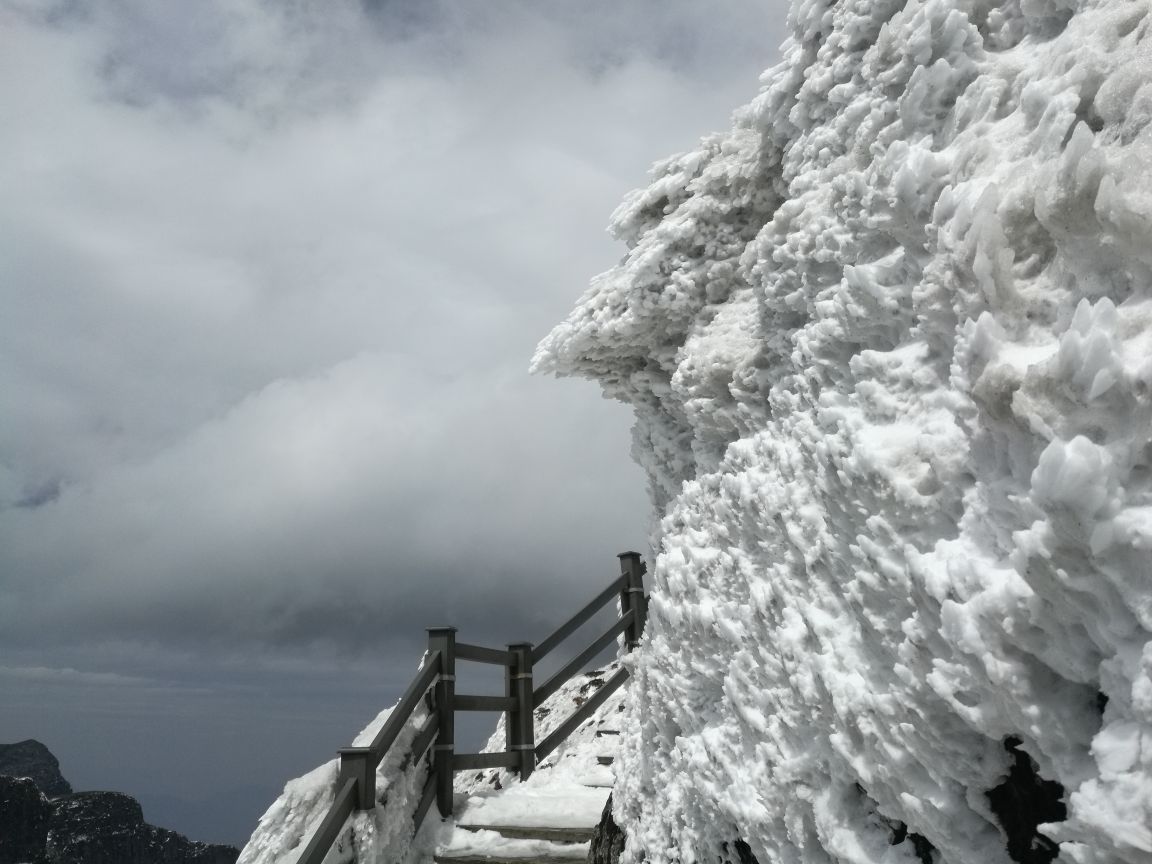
pixel 550 817
pixel 375 798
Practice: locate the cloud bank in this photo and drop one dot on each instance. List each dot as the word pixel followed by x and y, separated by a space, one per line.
pixel 272 274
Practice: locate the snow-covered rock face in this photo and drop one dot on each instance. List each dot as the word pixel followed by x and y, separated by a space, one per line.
pixel 889 344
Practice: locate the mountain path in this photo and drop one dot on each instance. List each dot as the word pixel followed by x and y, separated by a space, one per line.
pixel 550 818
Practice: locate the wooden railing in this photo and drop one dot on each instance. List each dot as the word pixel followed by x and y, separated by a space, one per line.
pixel 435 684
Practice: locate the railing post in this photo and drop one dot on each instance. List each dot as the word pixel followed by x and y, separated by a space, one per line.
pixel 356 762
pixel 443 639
pixel 632 597
pixel 521 735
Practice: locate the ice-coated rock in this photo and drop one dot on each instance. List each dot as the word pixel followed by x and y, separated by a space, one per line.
pixel 889 346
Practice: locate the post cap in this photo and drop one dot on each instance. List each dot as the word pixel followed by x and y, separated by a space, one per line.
pixel 629 555
pixel 512 645
pixel 441 629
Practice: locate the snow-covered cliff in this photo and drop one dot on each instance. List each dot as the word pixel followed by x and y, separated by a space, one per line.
pixel 889 345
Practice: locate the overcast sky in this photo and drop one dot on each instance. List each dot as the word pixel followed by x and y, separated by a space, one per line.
pixel 271 274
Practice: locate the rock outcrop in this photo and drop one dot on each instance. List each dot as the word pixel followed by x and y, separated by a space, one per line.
pixel 43 822
pixel 608 842
pixel 109 828
pixel 24 816
pixel 33 760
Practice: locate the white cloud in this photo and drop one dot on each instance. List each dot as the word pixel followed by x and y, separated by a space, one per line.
pixel 271 276
pixel 259 340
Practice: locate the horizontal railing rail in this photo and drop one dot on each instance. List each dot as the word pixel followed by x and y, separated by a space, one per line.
pixel 577 663
pixel 435 686
pixel 484 703
pixel 569 627
pixel 480 654
pixel 469 761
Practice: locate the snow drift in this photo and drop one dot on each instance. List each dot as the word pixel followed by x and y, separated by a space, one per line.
pixel 889 345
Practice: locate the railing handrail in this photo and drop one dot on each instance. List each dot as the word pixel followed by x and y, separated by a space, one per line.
pixel 387 735
pixel 356 781
pixel 568 627
pixel 480 654
pixel 557 735
pixel 560 678
pixel 343 806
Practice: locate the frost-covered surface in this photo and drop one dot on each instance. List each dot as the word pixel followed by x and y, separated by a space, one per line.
pixel 383 834
pixel 889 346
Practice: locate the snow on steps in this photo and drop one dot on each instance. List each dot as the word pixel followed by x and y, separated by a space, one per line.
pixel 550 818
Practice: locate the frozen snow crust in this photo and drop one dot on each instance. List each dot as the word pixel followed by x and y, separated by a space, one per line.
pixel 889 346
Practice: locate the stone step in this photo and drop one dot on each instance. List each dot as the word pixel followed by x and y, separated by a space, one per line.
pixel 482 845
pixel 537 832
pixel 515 844
pixel 469 858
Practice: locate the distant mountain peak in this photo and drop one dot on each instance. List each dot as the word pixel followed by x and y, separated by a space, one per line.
pixel 42 819
pixel 32 759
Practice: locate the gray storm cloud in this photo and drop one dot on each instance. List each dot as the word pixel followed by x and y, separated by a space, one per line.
pixel 271 277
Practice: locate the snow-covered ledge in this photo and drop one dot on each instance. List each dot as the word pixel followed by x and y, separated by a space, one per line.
pixel 889 345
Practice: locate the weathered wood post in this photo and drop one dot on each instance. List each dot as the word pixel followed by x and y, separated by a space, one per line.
pixel 632 597
pixel 521 734
pixel 443 639
pixel 357 762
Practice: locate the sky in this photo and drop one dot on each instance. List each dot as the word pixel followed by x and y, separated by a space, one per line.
pixel 271 276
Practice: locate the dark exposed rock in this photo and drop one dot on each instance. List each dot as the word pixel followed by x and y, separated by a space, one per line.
pixel 743 853
pixel 32 759
pixel 920 845
pixel 922 848
pixel 1024 801
pixel 43 822
pixel 608 840
pixel 24 814
pixel 109 828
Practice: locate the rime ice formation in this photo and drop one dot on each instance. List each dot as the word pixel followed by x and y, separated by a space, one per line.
pixel 889 346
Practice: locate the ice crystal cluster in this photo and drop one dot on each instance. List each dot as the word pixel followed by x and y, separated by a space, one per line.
pixel 889 345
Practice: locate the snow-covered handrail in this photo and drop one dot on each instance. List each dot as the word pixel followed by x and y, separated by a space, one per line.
pixel 436 681
pixel 356 782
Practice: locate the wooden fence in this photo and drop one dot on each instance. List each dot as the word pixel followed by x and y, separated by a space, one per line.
pixel 435 684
